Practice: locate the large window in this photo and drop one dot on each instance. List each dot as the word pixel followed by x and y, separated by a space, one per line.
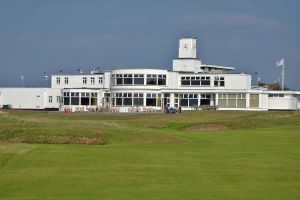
pixel 188 100
pixel 119 99
pixel 85 98
pixel 94 97
pixel 162 79
pixel 151 99
pixel 152 79
pixel 74 98
pixel 119 79
pixel 232 100
pixel 138 99
pixel 128 99
pixel 138 79
pixel 205 99
pixel 50 99
pixel 254 100
pixel 128 79
pixel 219 82
pixel 195 81
pixel 66 98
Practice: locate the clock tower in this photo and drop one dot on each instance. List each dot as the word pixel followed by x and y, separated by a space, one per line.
pixel 187 48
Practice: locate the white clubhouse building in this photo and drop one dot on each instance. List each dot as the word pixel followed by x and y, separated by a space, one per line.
pixel 190 85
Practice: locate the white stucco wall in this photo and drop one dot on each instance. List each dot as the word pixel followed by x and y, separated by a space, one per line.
pixel 29 98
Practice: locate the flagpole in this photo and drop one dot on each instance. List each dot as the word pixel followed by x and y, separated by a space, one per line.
pixel 282 74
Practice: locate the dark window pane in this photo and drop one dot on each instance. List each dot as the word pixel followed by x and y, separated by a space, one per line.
pixel 94 101
pixel 119 81
pixel 151 81
pixel 205 102
pixel 185 82
pixel 85 101
pixel 74 101
pixel 138 101
pixel 66 101
pixel 205 82
pixel 150 102
pixel 139 81
pixel 127 101
pixel 127 81
pixel 161 81
pixel 183 102
pixel 195 82
pixel 193 102
pixel 119 101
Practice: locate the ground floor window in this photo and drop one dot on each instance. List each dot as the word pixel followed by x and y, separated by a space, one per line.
pixel 254 100
pixel 83 98
pixel 151 99
pixel 136 99
pixel 232 100
pixel 192 100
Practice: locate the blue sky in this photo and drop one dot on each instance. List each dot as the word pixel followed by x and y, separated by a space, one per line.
pixel 49 36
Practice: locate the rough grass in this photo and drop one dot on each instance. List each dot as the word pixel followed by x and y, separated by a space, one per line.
pixel 45 156
pixel 56 128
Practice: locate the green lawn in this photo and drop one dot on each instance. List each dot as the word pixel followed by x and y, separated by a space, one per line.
pixel 193 155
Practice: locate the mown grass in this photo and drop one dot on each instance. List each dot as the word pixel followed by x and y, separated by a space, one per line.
pixel 150 156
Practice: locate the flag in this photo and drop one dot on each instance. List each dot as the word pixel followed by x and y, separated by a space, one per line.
pixel 280 62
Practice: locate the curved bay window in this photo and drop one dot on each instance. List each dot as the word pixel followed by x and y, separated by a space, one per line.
pixel 128 79
pixel 128 99
pixel 138 99
pixel 139 79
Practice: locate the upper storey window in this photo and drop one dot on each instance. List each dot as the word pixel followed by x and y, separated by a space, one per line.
pixel 92 80
pixel 219 81
pixel 84 80
pixel 66 80
pixel 139 79
pixel 127 79
pixel 151 79
pixel 58 80
pixel 162 79
pixel 100 80
pixel 195 81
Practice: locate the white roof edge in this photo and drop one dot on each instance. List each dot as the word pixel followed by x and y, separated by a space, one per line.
pixel 216 66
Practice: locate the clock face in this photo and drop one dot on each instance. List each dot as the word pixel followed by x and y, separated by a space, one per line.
pixel 185 46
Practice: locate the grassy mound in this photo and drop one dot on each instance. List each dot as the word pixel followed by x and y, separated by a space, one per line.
pixel 56 128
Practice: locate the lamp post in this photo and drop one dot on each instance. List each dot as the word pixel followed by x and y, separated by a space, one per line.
pixel 46 79
pixel 22 81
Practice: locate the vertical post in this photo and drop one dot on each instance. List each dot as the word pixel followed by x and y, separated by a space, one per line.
pixel 282 74
pixel 22 80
